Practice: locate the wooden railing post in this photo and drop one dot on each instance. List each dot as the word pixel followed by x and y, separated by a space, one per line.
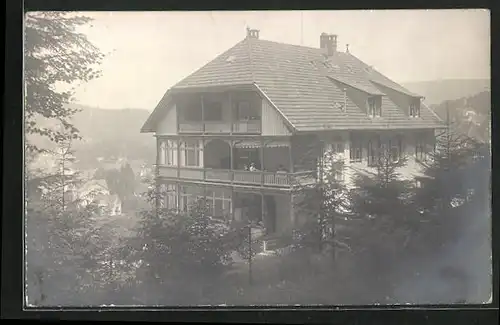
pixel 262 161
pixel 202 114
pixel 178 157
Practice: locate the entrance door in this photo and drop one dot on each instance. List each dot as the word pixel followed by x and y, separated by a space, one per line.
pixel 271 213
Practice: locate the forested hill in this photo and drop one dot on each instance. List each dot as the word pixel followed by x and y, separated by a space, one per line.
pixel 107 133
pixel 471 115
pixel 112 133
pixel 437 91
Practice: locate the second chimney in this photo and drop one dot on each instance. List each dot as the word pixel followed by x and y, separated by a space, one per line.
pixel 328 43
pixel 252 33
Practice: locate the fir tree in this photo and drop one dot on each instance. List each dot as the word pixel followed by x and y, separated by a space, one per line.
pixel 56 53
pixel 323 202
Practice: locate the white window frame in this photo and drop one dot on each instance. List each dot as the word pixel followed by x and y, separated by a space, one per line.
pixel 374 148
pixel 226 202
pixel 171 197
pixel 414 109
pixel 374 106
pixel 396 143
pixel 355 150
pixel 421 151
pixel 169 152
pixel 186 148
pixel 185 199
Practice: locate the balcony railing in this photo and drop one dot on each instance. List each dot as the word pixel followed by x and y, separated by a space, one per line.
pixel 258 178
pixel 217 127
pixel 221 175
pixel 191 127
pixel 240 127
pixel 251 126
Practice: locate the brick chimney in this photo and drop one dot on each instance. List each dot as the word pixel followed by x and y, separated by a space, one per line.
pixel 252 33
pixel 328 43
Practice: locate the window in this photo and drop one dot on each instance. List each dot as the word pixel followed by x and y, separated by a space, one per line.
pixel 213 111
pixel 415 107
pixel 395 149
pixel 190 153
pixel 245 111
pixel 355 151
pixel 187 198
pixel 375 106
pixel 219 203
pixel 171 196
pixel 420 150
pixel 169 153
pixel 373 152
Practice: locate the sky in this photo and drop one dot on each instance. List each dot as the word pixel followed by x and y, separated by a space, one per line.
pixel 148 52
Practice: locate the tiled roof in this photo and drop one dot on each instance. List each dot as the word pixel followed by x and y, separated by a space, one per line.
pixel 304 86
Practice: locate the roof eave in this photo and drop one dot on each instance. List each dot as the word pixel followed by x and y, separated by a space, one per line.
pixel 357 88
pixel 289 124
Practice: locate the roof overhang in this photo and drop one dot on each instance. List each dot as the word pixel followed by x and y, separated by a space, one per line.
pixel 150 124
pixel 368 90
pixel 399 89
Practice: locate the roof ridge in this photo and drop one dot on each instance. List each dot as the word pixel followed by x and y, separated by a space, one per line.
pixel 289 44
pixel 206 64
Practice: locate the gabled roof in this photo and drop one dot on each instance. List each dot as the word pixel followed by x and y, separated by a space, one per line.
pixel 304 86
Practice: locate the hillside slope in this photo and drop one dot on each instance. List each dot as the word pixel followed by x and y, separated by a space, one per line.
pixel 106 133
pixel 471 115
pixel 109 133
pixel 437 91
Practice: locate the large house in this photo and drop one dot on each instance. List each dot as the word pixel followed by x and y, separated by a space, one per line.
pixel 238 130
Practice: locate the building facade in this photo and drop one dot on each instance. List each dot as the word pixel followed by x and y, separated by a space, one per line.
pixel 250 126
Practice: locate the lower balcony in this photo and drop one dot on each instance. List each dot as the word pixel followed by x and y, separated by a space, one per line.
pixel 243 177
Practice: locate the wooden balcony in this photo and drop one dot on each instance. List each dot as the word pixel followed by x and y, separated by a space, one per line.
pixel 239 127
pixel 219 175
pixel 217 127
pixel 250 126
pixel 243 177
pixel 191 127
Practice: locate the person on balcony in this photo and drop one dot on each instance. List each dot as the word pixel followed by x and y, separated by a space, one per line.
pixel 253 168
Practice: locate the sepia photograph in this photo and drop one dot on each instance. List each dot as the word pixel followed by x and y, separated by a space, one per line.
pixel 257 158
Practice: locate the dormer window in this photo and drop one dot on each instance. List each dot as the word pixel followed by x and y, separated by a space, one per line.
pixel 415 107
pixel 375 106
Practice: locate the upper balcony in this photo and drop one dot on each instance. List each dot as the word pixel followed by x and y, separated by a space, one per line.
pixel 220 113
pixel 263 163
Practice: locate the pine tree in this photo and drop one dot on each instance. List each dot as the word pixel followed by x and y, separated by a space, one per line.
pixel 382 210
pixel 56 53
pixel 451 178
pixel 324 202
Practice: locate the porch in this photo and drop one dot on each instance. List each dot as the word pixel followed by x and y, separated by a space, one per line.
pixel 272 210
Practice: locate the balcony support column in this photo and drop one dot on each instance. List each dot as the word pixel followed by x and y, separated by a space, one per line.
pixel 262 161
pixel 290 156
pixel 202 114
pixel 263 210
pixel 232 204
pixel 231 148
pixel 203 142
pixel 157 175
pixel 179 152
pixel 231 112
